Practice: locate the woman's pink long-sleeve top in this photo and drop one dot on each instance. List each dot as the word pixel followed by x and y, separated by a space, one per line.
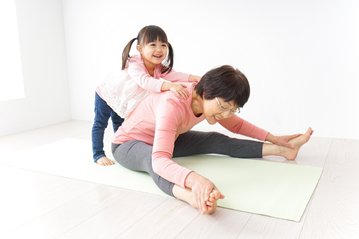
pixel 160 118
pixel 124 89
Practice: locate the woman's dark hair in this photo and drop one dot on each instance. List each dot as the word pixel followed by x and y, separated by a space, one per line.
pixel 224 82
pixel 146 35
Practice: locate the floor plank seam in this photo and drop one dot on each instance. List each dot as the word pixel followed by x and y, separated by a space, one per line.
pixel 307 214
pixel 315 191
pixel 187 225
pixel 244 226
pixel 327 155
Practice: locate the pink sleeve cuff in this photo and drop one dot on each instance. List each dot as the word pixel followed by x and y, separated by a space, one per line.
pixel 159 84
pixel 169 170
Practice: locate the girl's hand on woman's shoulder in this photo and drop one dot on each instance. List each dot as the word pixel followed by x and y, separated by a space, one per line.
pixel 178 88
pixel 194 78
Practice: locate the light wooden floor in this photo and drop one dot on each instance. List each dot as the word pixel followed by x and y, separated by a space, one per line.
pixel 36 205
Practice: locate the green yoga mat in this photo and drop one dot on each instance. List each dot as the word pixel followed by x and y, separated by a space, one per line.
pixel 255 186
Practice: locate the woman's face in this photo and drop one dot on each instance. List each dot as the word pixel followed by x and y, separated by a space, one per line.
pixel 217 109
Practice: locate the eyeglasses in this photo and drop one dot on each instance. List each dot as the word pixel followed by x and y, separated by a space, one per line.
pixel 225 108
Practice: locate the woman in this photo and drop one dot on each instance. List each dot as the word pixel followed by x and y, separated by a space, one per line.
pixel 159 129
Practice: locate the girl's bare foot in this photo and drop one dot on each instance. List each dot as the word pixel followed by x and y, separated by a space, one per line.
pixel 291 154
pixel 104 161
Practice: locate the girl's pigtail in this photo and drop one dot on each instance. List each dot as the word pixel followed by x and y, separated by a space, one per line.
pixel 126 53
pixel 169 62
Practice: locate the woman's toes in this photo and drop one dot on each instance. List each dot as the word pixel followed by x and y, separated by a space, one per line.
pixel 212 208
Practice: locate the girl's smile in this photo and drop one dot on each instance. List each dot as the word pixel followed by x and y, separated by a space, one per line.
pixel 153 53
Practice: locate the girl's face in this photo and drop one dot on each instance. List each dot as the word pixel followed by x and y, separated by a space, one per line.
pixel 217 109
pixel 153 53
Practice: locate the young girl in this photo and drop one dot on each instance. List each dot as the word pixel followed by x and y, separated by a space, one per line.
pixel 123 89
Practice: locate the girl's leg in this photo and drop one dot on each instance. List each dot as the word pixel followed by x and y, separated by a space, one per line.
pixel 116 120
pixel 137 155
pixel 102 115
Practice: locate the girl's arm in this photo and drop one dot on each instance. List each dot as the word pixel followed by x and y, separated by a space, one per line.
pixel 137 71
pixel 173 82
pixel 178 88
pixel 193 78
pixel 174 76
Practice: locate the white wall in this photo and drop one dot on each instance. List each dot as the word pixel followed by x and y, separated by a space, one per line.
pixel 43 54
pixel 10 57
pixel 301 57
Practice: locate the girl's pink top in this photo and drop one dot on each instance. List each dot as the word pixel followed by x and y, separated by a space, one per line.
pixel 160 118
pixel 124 89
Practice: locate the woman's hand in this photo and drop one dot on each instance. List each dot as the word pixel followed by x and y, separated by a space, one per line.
pixel 282 140
pixel 202 188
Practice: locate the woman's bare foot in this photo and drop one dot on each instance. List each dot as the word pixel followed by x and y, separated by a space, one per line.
pixel 298 142
pixel 187 196
pixel 104 161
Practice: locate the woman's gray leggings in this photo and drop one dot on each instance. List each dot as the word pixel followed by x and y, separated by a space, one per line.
pixel 137 155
